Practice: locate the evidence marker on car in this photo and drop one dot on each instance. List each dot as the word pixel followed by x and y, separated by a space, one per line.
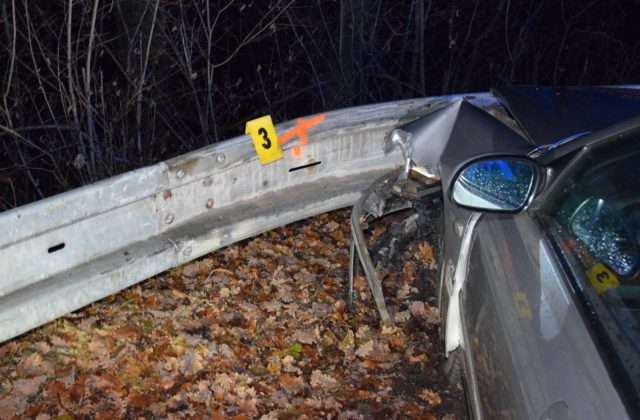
pixel 602 278
pixel 522 305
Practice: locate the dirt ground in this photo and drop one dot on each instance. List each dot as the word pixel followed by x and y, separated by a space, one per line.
pixel 259 329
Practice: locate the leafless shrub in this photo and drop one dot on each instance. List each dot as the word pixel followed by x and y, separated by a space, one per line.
pixel 95 88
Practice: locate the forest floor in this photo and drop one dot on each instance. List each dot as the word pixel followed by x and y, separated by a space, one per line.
pixel 257 329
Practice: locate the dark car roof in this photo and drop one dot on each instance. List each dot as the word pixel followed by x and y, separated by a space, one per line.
pixel 549 114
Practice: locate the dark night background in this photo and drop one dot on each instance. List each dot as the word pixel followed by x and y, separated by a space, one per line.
pixel 94 89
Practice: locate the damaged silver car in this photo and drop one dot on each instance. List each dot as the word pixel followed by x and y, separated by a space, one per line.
pixel 539 227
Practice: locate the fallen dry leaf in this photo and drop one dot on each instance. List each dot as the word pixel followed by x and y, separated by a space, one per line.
pixel 405 291
pixel 365 351
pixel 305 336
pixel 292 385
pixel 348 343
pixel 248 406
pixel 29 387
pixel 339 310
pixel 431 397
pixel 402 316
pixel 396 341
pixel 35 365
pixel 424 313
pixel 370 364
pixel 190 363
pixel 364 332
pixel 425 254
pixel 14 405
pixel 320 380
pixel 331 226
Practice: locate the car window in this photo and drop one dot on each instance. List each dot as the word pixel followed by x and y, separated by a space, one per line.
pixel 593 218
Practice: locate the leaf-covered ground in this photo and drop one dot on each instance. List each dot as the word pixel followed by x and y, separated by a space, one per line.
pixel 258 329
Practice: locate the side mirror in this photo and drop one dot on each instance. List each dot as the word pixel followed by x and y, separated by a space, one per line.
pixel 496 184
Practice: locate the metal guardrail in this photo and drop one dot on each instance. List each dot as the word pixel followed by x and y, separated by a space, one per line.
pixel 64 252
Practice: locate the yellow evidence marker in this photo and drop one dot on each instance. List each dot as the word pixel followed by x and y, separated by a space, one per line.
pixel 522 305
pixel 265 139
pixel 602 278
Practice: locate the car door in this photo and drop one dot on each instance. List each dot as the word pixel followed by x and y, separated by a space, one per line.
pixel 530 336
pixel 530 349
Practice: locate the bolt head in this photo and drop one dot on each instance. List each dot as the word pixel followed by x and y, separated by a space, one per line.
pixel 209 203
pixel 169 219
pixel 180 174
pixel 220 158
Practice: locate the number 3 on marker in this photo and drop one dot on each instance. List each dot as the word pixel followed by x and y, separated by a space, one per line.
pixel 265 140
pixel 263 132
pixel 602 278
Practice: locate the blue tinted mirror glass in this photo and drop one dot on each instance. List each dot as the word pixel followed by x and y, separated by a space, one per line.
pixel 495 184
pixel 603 230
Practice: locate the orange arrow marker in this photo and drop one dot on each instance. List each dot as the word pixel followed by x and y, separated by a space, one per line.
pixel 300 130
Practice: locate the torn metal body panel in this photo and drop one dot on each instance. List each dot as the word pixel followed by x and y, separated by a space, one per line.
pixel 62 253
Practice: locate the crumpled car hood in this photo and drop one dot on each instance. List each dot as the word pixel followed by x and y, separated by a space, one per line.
pixel 446 138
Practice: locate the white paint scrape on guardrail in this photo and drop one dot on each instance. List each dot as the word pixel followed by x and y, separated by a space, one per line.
pixel 62 253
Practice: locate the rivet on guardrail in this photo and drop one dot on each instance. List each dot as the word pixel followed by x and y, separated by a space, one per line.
pixel 209 203
pixel 169 219
pixel 208 181
pixel 187 251
pixel 180 174
pixel 221 158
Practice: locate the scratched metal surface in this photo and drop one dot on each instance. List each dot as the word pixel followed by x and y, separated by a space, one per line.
pixel 126 229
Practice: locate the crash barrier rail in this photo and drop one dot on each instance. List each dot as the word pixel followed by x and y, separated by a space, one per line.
pixel 64 252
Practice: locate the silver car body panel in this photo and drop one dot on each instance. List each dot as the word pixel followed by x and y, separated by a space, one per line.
pixel 529 343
